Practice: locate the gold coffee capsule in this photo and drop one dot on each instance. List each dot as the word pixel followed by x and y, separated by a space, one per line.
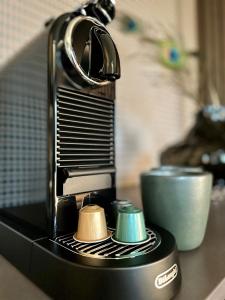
pixel 92 225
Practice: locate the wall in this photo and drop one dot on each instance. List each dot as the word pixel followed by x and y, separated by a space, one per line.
pixel 152 112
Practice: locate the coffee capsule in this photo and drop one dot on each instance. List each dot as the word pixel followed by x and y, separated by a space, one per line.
pixel 92 225
pixel 130 228
pixel 117 204
pixel 120 203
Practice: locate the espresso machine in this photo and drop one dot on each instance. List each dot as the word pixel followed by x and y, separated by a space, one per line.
pixel 57 153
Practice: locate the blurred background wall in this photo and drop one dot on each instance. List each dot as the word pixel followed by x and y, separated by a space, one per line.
pixel 153 111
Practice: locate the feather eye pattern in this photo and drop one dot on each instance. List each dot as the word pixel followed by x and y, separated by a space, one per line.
pixel 129 24
pixel 172 55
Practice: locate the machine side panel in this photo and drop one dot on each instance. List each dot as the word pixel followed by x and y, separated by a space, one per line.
pixel 23 126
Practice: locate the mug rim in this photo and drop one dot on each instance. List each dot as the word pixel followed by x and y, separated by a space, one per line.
pixel 178 168
pixel 175 174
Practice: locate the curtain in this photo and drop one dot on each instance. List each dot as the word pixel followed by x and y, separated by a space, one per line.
pixel 211 30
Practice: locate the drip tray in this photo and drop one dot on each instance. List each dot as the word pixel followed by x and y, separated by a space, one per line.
pixel 109 249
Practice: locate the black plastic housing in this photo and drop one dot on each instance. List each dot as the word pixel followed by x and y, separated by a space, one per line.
pixel 65 275
pixel 65 148
pixel 50 170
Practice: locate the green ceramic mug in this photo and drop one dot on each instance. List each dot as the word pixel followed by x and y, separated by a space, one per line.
pixel 179 201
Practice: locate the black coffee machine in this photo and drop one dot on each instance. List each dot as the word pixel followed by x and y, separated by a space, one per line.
pixel 57 153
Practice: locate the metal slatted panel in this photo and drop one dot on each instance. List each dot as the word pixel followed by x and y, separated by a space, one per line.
pixel 85 137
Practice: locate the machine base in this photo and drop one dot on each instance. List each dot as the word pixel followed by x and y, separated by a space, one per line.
pixel 63 274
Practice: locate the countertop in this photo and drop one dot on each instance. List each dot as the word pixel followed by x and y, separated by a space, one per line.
pixel 202 269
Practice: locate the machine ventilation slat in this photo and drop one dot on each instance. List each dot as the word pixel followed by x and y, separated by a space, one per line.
pixel 84 150
pixel 84 98
pixel 84 131
pixel 73 116
pixel 86 166
pixel 83 105
pixel 83 128
pixel 63 121
pixel 83 112
pixel 87 145
pixel 78 138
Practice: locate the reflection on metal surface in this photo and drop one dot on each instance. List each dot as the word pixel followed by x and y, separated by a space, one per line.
pixel 91 183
